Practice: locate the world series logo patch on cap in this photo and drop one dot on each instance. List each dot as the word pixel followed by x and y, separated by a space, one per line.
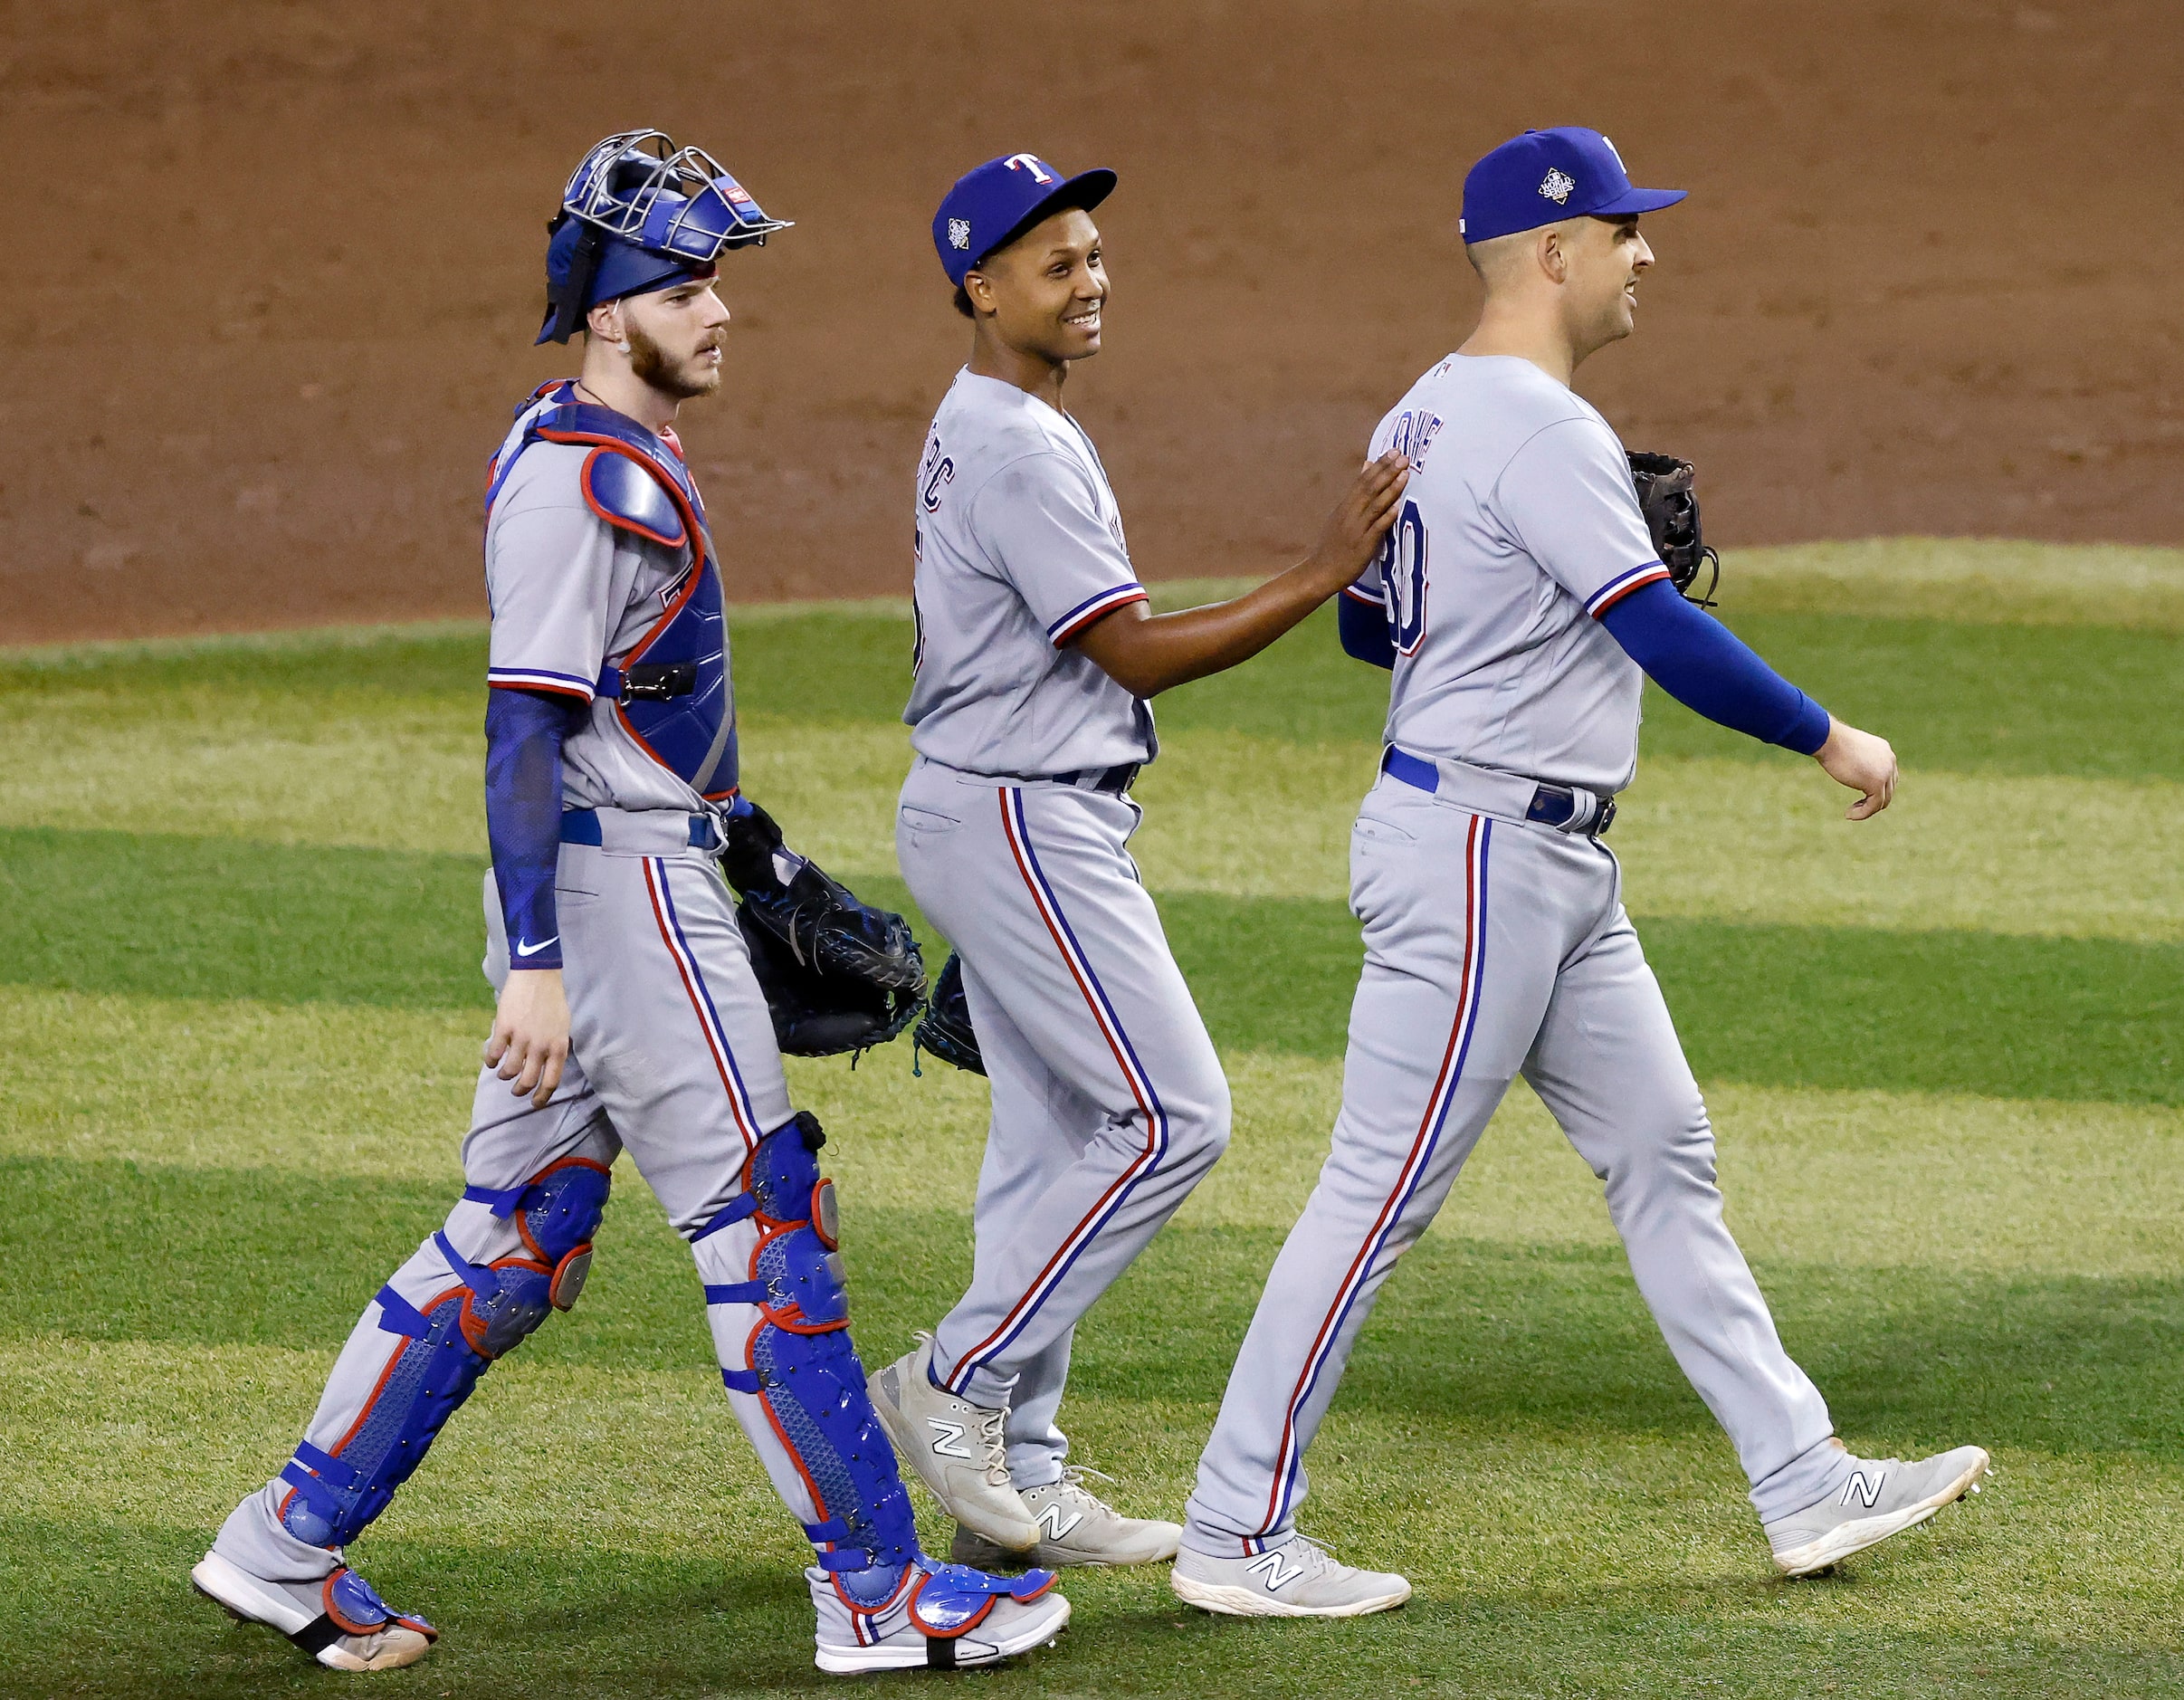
pixel 1556 184
pixel 959 232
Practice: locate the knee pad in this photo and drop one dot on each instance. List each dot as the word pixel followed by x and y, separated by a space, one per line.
pixel 803 1365
pixel 452 1341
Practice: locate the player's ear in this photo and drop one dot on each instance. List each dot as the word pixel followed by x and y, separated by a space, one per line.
pixel 1548 252
pixel 978 288
pixel 604 322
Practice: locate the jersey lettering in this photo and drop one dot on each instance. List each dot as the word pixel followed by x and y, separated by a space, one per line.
pixel 1403 578
pixel 1413 434
pixel 937 473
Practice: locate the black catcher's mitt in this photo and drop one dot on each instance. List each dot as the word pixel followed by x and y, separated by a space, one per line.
pixel 946 1031
pixel 1672 515
pixel 838 975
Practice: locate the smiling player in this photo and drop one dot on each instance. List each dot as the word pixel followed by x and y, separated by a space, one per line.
pixel 1521 603
pixel 1036 655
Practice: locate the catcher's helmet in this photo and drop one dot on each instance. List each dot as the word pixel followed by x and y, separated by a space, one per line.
pixel 639 213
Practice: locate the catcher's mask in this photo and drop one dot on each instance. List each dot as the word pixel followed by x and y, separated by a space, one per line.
pixel 640 215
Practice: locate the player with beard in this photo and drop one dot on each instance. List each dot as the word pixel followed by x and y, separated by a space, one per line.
pixel 629 1013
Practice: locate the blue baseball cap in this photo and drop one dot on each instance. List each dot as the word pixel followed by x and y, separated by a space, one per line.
pixel 1545 176
pixel 994 204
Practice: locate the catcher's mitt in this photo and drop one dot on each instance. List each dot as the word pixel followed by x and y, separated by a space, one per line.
pixel 1672 516
pixel 946 1031
pixel 838 975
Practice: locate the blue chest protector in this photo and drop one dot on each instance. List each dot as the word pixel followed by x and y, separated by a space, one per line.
pixel 672 691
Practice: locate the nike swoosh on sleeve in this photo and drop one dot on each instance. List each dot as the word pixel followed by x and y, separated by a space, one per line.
pixel 533 950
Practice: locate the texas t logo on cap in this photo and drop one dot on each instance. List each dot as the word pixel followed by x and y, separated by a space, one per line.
pixel 994 204
pixel 1545 176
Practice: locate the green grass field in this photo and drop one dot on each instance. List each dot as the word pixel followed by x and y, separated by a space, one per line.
pixel 240 1010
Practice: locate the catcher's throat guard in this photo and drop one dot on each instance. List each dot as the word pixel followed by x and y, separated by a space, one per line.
pixel 1671 506
pixel 639 213
pixel 672 692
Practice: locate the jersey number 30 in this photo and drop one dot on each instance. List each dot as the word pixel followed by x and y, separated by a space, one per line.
pixel 1403 578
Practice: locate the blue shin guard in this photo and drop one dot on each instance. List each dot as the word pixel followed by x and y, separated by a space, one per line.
pixel 453 1339
pixel 803 1365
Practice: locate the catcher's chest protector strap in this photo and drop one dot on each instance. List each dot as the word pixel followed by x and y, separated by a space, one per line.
pixel 674 692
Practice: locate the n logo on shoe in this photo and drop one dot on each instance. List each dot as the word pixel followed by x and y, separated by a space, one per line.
pixel 1867 1494
pixel 1277 1574
pixel 1056 1523
pixel 950 1443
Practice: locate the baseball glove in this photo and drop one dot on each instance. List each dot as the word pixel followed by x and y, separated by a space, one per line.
pixel 1672 516
pixel 946 1031
pixel 838 975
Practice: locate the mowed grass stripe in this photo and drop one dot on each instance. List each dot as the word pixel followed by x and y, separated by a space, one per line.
pixel 1958 695
pixel 1932 1011
pixel 1552 1559
pixel 1519 1335
pixel 1229 812
pixel 1939 1181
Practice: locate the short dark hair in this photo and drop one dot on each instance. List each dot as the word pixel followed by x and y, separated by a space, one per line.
pixel 963 304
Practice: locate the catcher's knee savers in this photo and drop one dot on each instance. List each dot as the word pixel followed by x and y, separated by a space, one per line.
pixel 451 1340
pixel 803 1365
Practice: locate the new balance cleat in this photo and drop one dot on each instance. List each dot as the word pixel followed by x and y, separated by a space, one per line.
pixel 1884 1496
pixel 1076 1527
pixel 339 1621
pixel 942 1616
pixel 1299 1579
pixel 957 1448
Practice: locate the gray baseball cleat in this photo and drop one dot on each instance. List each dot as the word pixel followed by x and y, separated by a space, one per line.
pixel 339 1620
pixel 1300 1580
pixel 957 1448
pixel 1884 1496
pixel 1076 1527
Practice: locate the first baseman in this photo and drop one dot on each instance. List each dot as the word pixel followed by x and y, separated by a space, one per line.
pixel 629 1015
pixel 1521 602
pixel 1036 654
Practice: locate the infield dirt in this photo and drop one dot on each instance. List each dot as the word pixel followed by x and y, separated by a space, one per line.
pixel 276 268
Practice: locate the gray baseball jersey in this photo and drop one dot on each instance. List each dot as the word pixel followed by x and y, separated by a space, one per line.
pixel 1519 529
pixel 569 592
pixel 1496 946
pixel 1019 548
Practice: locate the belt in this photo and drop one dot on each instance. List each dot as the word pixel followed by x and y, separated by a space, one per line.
pixel 1563 807
pixel 1114 780
pixel 583 825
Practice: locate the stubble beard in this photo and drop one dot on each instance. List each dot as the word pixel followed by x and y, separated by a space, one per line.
pixel 684 380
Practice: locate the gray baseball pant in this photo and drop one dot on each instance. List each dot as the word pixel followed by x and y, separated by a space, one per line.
pixel 1108 1102
pixel 1495 947
pixel 673 1055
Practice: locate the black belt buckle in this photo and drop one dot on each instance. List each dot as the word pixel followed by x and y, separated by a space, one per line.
pixel 659 683
pixel 1608 816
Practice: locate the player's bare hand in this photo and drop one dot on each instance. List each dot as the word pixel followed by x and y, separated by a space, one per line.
pixel 530 1044
pixel 1361 519
pixel 1862 762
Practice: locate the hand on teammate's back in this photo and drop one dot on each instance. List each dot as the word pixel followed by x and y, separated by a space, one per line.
pixel 529 1041
pixel 1865 763
pixel 1352 534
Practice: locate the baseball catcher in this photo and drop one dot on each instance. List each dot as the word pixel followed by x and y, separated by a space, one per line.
pixel 630 1011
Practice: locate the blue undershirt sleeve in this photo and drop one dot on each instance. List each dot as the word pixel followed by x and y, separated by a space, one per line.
pixel 1705 666
pixel 523 734
pixel 1364 629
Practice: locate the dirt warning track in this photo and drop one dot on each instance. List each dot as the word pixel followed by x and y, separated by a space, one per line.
pixel 276 269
